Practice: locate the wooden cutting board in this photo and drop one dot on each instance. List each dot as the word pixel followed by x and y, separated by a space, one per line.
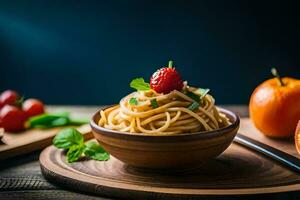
pixel 14 144
pixel 237 171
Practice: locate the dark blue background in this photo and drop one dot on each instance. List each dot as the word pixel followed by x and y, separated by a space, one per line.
pixel 86 52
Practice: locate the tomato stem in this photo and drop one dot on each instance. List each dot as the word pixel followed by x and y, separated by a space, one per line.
pixel 19 102
pixel 276 74
pixel 170 65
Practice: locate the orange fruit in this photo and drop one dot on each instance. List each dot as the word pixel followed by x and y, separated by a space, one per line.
pixel 297 137
pixel 275 106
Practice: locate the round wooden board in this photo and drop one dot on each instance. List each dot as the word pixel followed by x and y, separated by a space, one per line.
pixel 237 171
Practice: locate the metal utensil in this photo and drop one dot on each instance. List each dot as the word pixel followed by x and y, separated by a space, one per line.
pixel 287 160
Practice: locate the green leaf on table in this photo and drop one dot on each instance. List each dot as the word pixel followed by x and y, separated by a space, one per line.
pixel 60 122
pixel 94 151
pixel 78 121
pixel 139 84
pixel 72 140
pixel 45 120
pixel 75 152
pixel 54 120
pixel 68 137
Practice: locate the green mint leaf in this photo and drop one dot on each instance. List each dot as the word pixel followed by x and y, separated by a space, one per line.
pixel 139 84
pixel 194 106
pixel 75 152
pixel 133 101
pixel 203 92
pixel 67 137
pixel 94 151
pixel 154 103
pixel 194 96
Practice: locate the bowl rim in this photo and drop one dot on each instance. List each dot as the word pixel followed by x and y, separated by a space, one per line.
pixel 204 134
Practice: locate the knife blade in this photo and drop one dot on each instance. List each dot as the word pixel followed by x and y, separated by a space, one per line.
pixel 285 159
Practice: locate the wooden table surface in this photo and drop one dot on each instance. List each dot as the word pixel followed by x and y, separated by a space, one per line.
pixel 21 178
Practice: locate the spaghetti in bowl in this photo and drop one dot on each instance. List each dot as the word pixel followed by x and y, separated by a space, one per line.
pixel 166 151
pixel 157 114
pixel 165 124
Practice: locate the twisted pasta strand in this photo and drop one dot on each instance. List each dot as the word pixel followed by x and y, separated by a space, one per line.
pixel 170 117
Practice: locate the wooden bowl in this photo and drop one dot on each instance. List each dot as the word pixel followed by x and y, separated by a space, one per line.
pixel 175 151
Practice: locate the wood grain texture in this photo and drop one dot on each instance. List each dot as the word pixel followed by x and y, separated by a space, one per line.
pixel 46 195
pixel 24 142
pixel 27 167
pixel 237 171
pixel 21 176
pixel 286 145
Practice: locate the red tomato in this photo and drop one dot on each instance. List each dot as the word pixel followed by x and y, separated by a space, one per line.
pixel 12 118
pixel 33 107
pixel 9 97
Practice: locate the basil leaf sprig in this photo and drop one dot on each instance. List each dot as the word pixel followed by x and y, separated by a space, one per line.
pixel 197 96
pixel 49 120
pixel 68 137
pixel 133 101
pixel 203 92
pixel 94 151
pixel 194 96
pixel 194 106
pixel 72 140
pixel 74 153
pixel 139 84
pixel 154 103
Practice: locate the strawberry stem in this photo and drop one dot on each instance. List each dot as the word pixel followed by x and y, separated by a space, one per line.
pixel 276 74
pixel 170 65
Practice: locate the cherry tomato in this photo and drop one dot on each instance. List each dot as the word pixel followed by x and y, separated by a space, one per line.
pixel 12 118
pixel 33 107
pixel 9 97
